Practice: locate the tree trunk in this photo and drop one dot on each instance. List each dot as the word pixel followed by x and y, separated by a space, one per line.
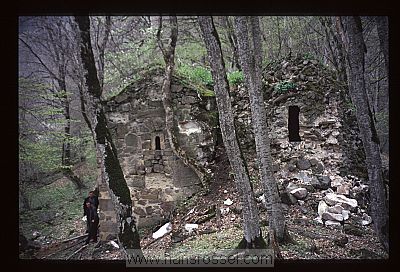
pixel 232 41
pixel 252 233
pixel 366 123
pixel 112 175
pixel 169 59
pixel 250 58
pixel 382 24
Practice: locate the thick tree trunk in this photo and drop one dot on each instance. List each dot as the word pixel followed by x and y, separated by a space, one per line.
pixel 250 58
pixel 112 174
pixel 366 123
pixel 252 232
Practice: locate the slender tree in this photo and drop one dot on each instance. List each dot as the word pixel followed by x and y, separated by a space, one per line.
pixel 252 233
pixel 112 175
pixel 250 55
pixel 355 73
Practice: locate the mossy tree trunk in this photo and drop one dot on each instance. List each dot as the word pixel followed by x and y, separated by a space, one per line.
pixel 111 170
pixel 252 233
pixel 355 73
pixel 250 56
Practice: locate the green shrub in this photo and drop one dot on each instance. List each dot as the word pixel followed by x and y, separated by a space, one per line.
pixel 235 78
pixel 196 74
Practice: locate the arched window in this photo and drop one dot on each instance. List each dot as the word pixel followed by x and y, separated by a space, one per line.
pixel 293 124
pixel 158 143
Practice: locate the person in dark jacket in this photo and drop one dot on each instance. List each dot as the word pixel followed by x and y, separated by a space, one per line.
pixel 93 219
pixel 94 200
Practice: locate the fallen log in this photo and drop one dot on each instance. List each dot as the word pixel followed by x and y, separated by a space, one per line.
pixel 74 238
pixel 77 251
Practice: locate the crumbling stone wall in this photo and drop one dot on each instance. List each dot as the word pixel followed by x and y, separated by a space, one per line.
pixel 156 177
pixel 329 148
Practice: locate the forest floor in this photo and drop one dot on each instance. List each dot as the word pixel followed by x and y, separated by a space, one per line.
pixel 49 227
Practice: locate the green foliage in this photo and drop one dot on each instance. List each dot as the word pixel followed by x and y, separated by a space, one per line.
pixel 235 78
pixel 285 86
pixel 196 74
pixel 43 154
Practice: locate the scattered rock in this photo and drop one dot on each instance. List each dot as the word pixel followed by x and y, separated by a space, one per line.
pixel 191 227
pixel 299 193
pixel 335 209
pixel 332 216
pixel 303 164
pixel 166 228
pixel 321 182
pixel 332 223
pixel 347 203
pixel 346 214
pixel 322 208
pixel 366 220
pixel 228 202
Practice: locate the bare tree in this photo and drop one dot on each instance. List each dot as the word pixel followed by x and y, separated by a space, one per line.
pixel 252 233
pixel 112 175
pixel 250 54
pixel 355 73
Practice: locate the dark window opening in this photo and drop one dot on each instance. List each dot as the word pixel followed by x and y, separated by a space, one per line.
pixel 158 143
pixel 293 124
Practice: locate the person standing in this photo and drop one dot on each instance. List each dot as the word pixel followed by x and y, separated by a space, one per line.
pixel 94 201
pixel 93 219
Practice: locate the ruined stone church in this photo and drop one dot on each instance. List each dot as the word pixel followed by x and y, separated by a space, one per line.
pixel 314 137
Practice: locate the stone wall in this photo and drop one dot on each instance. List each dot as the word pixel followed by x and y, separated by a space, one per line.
pixel 156 177
pixel 329 148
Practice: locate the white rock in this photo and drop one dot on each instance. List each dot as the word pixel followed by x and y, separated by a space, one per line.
pixel 346 203
pixel 332 216
pixel 261 198
pixel 84 218
pixel 35 234
pixel 335 209
pixel 228 202
pixel 166 228
pixel 346 214
pixel 336 181
pixel 114 244
pixel 332 223
pixel 107 251
pixel 299 193
pixel 318 220
pixel 190 227
pixel 224 211
pixel 225 191
pixel 301 202
pixel 291 186
pixel 322 207
pixel 366 220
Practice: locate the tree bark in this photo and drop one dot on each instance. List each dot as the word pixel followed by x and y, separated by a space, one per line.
pixel 366 123
pixel 250 55
pixel 168 52
pixel 112 174
pixel 252 233
pixel 382 24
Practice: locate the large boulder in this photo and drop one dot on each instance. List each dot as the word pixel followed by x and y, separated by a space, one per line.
pixel 332 216
pixel 303 164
